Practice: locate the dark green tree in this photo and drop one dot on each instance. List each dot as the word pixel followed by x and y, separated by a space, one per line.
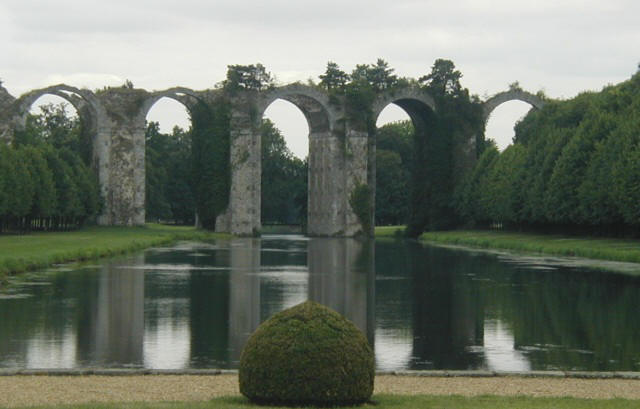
pixel 333 78
pixel 211 175
pixel 283 180
pixel 248 77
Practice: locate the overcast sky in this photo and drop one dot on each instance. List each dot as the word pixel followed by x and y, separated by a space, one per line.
pixel 560 46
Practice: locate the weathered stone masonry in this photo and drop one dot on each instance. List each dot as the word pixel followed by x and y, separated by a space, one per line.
pixel 341 154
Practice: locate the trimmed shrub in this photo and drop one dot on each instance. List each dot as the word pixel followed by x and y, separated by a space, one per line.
pixel 307 355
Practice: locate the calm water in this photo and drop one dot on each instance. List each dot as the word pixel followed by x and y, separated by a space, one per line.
pixel 194 305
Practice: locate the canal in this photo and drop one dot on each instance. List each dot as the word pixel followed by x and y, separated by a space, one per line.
pixel 193 305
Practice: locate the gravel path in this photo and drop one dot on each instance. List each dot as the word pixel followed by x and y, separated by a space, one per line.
pixel 17 391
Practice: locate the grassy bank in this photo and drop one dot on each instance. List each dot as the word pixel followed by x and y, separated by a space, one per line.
pixel 393 401
pixel 389 231
pixel 19 253
pixel 587 247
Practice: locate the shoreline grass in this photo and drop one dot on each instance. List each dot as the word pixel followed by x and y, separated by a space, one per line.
pixel 610 249
pixel 22 253
pixel 389 231
pixel 389 401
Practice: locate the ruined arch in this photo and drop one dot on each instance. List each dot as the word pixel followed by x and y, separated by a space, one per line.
pixel 185 96
pixel 511 95
pixel 411 99
pixel 325 216
pixel 312 102
pixel 84 101
pixel 419 106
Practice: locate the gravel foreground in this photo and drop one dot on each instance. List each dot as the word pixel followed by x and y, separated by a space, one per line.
pixel 20 391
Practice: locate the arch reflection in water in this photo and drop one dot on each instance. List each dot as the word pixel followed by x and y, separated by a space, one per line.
pixel 338 275
pixel 118 315
pixel 341 276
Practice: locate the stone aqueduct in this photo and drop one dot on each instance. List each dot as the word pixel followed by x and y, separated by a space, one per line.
pixel 341 155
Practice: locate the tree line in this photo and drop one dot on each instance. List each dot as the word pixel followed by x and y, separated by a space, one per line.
pixel 181 180
pixel 574 166
pixel 46 182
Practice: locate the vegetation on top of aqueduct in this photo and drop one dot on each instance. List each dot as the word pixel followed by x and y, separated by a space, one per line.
pixel 429 161
pixel 307 354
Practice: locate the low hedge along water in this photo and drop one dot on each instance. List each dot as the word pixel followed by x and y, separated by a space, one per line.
pixel 307 354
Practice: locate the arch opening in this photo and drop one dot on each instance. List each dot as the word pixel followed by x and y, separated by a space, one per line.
pixel 502 120
pixel 398 125
pixel 284 172
pixel 59 117
pixel 169 196
pixel 292 124
pixel 168 113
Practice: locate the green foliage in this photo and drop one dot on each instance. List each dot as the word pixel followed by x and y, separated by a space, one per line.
pixel 360 202
pixel 252 77
pixel 470 192
pixel 443 79
pixel 168 176
pixel 284 180
pixel 438 138
pixel 334 78
pixel 211 173
pixel 307 354
pixel 574 167
pixel 394 158
pixel 45 182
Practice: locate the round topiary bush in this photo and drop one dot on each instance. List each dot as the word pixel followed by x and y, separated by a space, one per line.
pixel 307 354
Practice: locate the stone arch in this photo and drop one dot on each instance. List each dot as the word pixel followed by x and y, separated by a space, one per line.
pixel 511 95
pixel 84 101
pixel 312 102
pixel 185 96
pixel 413 100
pixel 325 214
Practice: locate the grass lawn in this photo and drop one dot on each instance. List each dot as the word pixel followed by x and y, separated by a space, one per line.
pixel 393 401
pixel 587 247
pixel 389 231
pixel 19 253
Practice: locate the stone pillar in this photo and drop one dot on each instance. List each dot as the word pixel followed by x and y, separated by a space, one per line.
pixel 6 120
pixel 356 173
pixel 326 202
pixel 244 199
pixel 120 153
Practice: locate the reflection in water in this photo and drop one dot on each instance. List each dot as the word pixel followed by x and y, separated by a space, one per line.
pixel 499 349
pixel 341 277
pixel 118 315
pixel 244 290
pixel 194 306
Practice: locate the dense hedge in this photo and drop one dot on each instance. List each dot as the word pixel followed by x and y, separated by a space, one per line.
pixel 42 188
pixel 45 179
pixel 575 165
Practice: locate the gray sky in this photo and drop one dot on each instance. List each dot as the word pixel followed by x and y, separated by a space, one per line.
pixel 560 46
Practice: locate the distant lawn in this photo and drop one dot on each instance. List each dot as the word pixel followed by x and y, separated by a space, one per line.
pixel 392 401
pixel 587 247
pixel 389 231
pixel 19 253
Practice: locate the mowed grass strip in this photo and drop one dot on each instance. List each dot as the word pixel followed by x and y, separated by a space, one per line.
pixel 389 231
pixel 390 401
pixel 587 247
pixel 19 253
